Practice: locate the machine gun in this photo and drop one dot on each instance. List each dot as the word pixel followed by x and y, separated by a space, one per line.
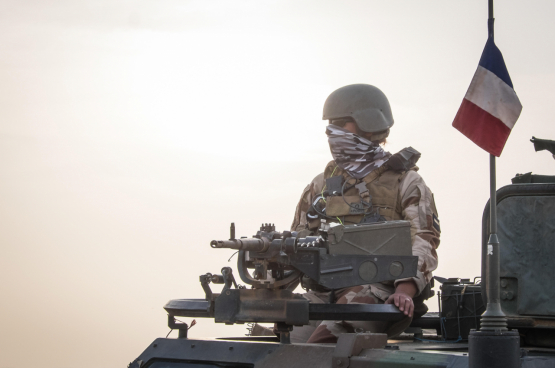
pixel 539 145
pixel 543 144
pixel 337 257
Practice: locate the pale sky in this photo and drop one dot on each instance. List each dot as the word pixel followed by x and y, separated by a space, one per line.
pixel 133 132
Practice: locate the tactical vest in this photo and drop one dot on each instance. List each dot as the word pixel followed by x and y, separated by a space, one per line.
pixel 383 188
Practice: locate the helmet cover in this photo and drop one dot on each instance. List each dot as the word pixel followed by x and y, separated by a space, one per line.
pixel 365 104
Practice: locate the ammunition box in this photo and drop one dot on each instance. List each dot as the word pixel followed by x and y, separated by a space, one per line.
pixel 380 238
pixel 461 309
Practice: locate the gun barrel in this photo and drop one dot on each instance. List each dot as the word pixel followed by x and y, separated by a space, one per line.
pixel 251 244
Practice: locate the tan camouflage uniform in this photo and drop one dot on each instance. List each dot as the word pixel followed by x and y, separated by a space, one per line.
pixel 414 203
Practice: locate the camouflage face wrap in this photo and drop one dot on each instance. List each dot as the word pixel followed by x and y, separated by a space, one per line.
pixel 353 153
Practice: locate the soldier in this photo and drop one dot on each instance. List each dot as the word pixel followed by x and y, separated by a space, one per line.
pixel 359 122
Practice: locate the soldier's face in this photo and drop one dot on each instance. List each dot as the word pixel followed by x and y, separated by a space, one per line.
pixel 352 127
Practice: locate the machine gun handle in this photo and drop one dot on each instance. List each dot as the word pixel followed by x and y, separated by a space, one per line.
pixel 232 231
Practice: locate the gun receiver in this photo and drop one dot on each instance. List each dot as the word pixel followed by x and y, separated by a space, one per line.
pixel 341 256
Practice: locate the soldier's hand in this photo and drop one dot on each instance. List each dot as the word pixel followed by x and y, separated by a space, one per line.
pixel 402 298
pixel 403 302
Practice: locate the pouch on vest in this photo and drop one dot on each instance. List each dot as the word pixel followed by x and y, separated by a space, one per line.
pixel 334 185
pixel 337 206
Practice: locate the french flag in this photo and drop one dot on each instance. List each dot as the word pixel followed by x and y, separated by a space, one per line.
pixel 491 107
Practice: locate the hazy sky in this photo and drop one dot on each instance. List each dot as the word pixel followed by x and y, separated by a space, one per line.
pixel 133 132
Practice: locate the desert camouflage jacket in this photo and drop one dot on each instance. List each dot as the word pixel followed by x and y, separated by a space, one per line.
pixel 415 203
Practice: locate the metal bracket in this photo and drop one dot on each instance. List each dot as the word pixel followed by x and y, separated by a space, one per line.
pixel 261 305
pixel 349 345
pixel 284 331
pixel 204 281
pixel 227 273
pixel 181 327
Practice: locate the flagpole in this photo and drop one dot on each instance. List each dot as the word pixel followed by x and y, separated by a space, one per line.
pixel 490 9
pixel 493 318
pixel 493 346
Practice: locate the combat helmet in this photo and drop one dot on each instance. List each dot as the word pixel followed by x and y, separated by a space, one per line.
pixel 365 104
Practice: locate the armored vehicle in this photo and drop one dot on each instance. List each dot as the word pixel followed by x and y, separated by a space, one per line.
pixel 271 263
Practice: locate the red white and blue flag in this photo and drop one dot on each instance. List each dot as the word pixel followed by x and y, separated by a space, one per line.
pixel 490 107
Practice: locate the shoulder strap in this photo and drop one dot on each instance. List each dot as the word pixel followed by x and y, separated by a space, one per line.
pixel 404 160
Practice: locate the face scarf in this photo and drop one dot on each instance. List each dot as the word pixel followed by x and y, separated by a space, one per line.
pixel 353 153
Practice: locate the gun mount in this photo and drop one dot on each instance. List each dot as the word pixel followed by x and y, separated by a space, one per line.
pixel 272 263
